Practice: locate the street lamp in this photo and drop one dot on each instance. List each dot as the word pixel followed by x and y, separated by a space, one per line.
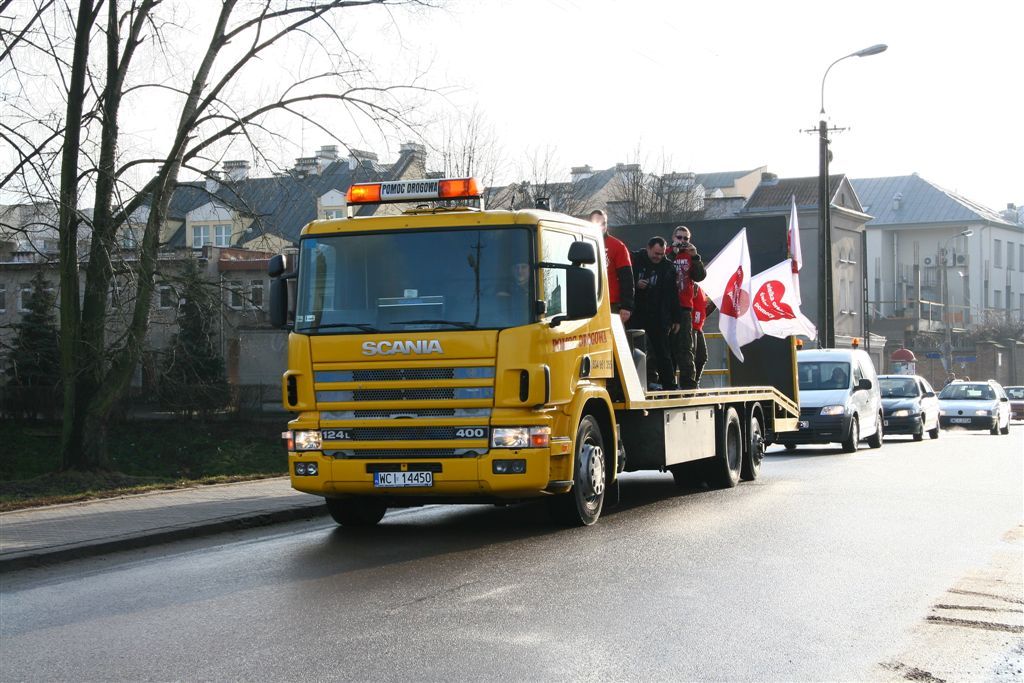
pixel 827 326
pixel 944 292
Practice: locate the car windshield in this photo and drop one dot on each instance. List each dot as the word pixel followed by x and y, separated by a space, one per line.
pixel 968 392
pixel 1015 393
pixel 423 280
pixel 898 387
pixel 816 375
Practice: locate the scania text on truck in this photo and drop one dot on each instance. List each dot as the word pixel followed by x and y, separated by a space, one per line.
pixel 451 354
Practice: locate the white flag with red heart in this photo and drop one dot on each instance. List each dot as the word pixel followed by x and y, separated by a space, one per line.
pixel 728 285
pixel 776 303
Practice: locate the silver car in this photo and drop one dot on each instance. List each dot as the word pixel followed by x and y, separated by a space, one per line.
pixel 975 405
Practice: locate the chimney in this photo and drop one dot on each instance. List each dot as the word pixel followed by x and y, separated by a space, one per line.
pixel 417 154
pixel 237 169
pixel 212 182
pixel 327 153
pixel 768 178
pixel 579 173
pixel 897 199
pixel 306 166
pixel 356 157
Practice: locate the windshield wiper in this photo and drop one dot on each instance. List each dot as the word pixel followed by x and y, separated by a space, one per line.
pixel 365 327
pixel 431 321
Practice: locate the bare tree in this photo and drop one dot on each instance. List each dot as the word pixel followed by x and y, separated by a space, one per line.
pixel 469 146
pixel 92 62
pixel 640 196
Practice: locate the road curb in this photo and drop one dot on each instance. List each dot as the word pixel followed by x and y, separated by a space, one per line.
pixel 45 556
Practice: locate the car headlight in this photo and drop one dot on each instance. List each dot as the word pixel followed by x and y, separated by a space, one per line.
pixel 983 412
pixel 833 410
pixel 942 411
pixel 307 440
pixel 520 437
pixel 902 412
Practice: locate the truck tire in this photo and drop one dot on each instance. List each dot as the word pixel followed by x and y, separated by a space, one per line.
pixel 356 512
pixel 723 471
pixel 754 451
pixel 853 438
pixel 581 505
pixel 875 440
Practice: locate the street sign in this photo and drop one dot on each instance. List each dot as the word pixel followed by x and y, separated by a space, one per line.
pixel 933 354
pixel 965 359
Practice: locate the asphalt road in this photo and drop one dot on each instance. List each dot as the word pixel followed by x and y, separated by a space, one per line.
pixel 826 568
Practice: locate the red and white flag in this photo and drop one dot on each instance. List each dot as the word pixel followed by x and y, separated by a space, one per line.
pixel 728 285
pixel 793 247
pixel 776 303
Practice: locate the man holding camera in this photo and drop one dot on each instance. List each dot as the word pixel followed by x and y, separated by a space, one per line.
pixel 689 269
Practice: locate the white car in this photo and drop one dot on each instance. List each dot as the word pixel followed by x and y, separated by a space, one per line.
pixel 975 405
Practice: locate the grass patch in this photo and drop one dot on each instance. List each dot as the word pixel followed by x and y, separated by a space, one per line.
pixel 144 456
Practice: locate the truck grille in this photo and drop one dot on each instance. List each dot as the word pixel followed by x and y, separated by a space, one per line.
pixel 408 453
pixel 404 433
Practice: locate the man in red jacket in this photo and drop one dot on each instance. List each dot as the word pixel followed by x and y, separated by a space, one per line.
pixel 702 308
pixel 620 269
pixel 689 269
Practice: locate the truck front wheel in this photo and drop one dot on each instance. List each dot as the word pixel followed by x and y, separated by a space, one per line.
pixel 356 511
pixel 582 505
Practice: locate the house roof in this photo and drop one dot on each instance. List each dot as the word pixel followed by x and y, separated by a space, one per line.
pixel 921 201
pixel 280 205
pixel 775 195
pixel 711 181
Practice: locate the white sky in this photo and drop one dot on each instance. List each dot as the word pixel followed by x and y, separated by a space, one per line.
pixel 712 86
pixel 727 86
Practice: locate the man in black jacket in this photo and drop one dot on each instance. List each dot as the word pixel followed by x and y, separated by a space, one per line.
pixel 656 307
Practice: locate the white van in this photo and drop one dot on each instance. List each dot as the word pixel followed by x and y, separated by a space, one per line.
pixel 840 401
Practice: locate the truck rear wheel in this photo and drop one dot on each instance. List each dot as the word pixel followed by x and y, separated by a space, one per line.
pixel 754 452
pixel 581 506
pixel 356 511
pixel 724 469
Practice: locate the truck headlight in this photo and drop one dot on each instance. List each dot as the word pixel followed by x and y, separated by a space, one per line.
pixel 308 440
pixel 902 412
pixel 833 410
pixel 520 437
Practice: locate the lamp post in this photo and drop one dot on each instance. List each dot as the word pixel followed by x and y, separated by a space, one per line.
pixel 944 292
pixel 827 326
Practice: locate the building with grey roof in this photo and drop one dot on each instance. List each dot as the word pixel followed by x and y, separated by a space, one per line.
pixel 926 243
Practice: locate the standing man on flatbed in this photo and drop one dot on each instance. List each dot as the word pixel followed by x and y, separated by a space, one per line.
pixel 620 269
pixel 689 269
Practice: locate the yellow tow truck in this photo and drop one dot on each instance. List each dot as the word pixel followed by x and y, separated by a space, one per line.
pixel 451 354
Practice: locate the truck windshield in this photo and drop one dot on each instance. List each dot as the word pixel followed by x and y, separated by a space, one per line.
pixel 817 375
pixel 410 281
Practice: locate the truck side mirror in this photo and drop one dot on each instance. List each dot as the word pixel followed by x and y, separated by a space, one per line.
pixel 581 292
pixel 278 302
pixel 276 266
pixel 864 385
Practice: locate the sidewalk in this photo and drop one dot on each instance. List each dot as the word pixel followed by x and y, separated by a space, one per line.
pixel 63 532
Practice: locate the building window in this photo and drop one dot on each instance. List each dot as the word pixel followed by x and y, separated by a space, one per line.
pixel 334 213
pixel 256 294
pixel 842 296
pixel 166 296
pixel 997 253
pixel 1020 261
pixel 1009 255
pixel 24 294
pixel 222 235
pixel 998 298
pixel 1021 305
pixel 200 236
pixel 128 239
pixel 3 298
pixel 235 298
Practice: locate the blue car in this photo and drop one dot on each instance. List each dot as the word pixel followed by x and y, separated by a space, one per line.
pixel 909 406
